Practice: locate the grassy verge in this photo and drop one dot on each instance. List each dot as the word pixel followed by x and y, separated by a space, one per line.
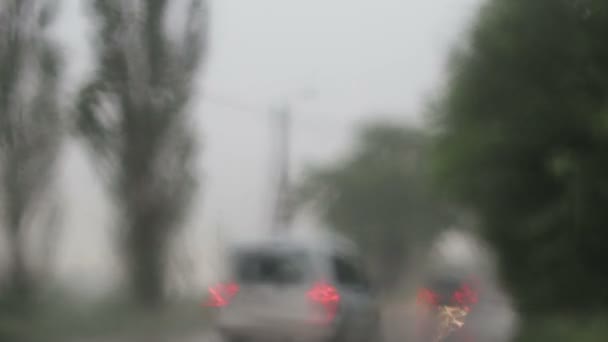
pixel 565 328
pixel 62 319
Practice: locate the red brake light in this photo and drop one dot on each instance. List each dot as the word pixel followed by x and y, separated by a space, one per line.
pixel 328 297
pixel 221 294
pixel 465 296
pixel 426 296
pixel 324 293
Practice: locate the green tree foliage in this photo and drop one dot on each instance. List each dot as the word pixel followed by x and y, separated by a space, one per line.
pixel 523 141
pixel 30 126
pixel 134 115
pixel 380 196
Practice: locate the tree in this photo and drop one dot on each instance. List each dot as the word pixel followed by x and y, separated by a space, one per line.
pixel 523 134
pixel 381 197
pixel 30 126
pixel 134 116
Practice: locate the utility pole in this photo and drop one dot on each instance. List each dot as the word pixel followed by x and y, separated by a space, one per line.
pixel 282 209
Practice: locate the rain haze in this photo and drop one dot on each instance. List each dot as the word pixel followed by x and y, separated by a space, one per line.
pixel 310 170
pixel 353 60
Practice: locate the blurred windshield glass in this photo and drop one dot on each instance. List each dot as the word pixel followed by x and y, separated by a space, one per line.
pixel 266 267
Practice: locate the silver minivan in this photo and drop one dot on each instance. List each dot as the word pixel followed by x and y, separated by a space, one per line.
pixel 289 290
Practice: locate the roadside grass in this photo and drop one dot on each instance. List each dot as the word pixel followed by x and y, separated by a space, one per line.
pixel 566 328
pixel 61 318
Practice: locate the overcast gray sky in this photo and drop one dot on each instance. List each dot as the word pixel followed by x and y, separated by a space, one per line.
pixel 363 58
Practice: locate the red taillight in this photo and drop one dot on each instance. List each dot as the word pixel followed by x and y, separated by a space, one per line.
pixel 328 298
pixel 428 297
pixel 465 297
pixel 324 293
pixel 221 294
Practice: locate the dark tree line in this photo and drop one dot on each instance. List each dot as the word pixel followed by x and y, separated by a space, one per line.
pixel 523 141
pixel 381 195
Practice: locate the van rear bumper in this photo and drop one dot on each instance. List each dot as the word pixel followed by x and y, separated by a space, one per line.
pixel 276 331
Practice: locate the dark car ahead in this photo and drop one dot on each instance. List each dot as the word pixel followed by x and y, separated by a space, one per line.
pixel 444 304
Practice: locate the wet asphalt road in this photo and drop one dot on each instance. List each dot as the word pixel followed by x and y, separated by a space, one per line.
pixel 494 321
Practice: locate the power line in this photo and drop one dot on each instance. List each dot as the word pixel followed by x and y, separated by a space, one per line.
pixel 233 104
